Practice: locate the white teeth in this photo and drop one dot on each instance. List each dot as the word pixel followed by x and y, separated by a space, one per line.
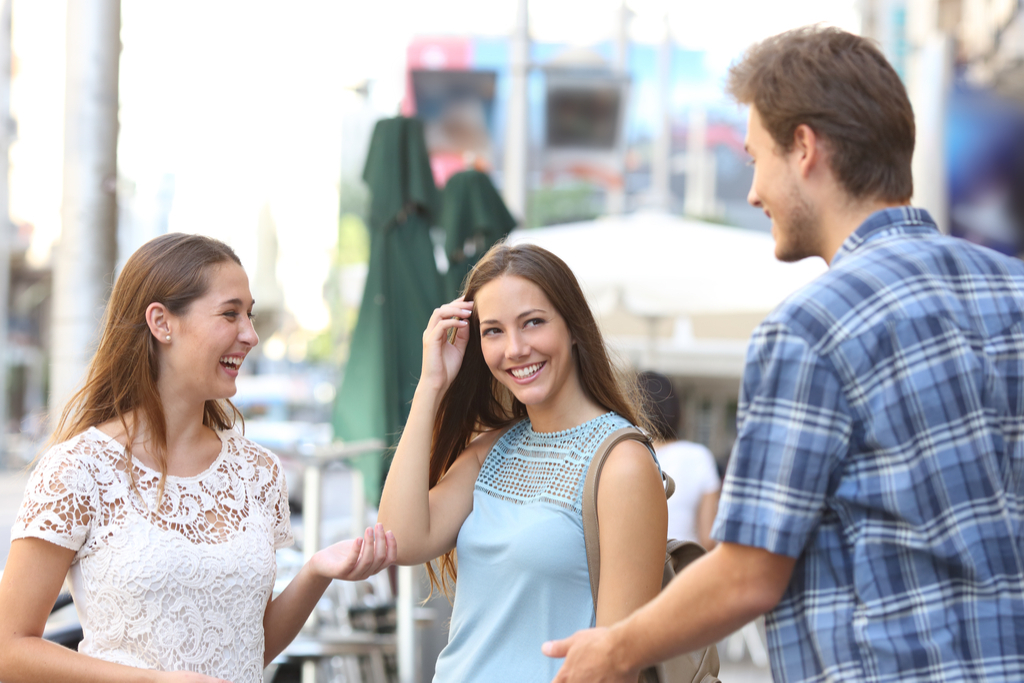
pixel 231 360
pixel 520 373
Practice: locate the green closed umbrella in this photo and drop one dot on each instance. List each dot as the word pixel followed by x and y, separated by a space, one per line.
pixel 472 212
pixel 402 289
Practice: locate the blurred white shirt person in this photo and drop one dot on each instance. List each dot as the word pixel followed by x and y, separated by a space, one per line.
pixel 692 508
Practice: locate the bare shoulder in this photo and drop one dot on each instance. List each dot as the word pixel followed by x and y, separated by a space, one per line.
pixel 629 471
pixel 113 428
pixel 631 490
pixel 482 444
pixel 630 460
pixel 467 466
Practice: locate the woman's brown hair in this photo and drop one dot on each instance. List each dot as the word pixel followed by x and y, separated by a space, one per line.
pixel 477 402
pixel 121 380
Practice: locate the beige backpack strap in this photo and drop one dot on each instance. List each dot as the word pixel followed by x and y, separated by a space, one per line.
pixel 590 527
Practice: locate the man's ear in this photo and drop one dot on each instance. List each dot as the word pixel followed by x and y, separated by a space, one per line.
pixel 807 149
pixel 158 318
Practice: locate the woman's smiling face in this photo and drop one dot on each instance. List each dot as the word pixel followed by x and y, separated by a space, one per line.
pixel 211 339
pixel 525 341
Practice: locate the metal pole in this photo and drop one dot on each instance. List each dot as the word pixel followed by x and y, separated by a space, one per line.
pixel 616 198
pixel 406 627
pixel 5 221
pixel 514 186
pixel 84 265
pixel 312 508
pixel 929 78
pixel 700 201
pixel 661 159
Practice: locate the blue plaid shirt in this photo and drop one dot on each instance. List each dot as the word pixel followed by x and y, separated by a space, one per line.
pixel 881 443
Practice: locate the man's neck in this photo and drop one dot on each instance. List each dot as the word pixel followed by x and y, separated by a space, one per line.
pixel 842 218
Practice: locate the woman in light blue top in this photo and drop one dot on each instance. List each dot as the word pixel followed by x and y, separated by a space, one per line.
pixel 516 393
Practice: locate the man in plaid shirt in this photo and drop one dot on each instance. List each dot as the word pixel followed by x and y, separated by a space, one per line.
pixel 874 501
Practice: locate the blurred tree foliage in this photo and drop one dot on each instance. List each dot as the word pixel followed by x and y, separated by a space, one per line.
pixel 564 204
pixel 352 249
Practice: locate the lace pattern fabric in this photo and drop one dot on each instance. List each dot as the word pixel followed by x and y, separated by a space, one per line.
pixel 182 585
pixel 525 466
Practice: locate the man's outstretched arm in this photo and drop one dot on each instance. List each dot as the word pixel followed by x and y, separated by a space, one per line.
pixel 712 598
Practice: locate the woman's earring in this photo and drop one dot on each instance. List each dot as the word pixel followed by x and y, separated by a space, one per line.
pixel 168 337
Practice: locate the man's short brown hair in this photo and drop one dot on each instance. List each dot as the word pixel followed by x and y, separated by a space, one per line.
pixel 841 86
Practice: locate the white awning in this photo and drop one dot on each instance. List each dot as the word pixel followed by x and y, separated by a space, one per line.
pixel 656 264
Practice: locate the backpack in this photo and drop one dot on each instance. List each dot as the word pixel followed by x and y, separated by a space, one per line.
pixel 700 666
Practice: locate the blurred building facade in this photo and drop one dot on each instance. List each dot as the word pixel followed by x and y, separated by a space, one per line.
pixel 963 64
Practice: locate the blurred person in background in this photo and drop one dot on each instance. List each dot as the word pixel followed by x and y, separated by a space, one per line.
pixel 873 504
pixel 491 464
pixel 692 508
pixel 163 517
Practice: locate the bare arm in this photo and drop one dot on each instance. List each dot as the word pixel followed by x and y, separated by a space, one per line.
pixel 718 594
pixel 633 520
pixel 426 521
pixel 348 560
pixel 31 581
pixel 707 508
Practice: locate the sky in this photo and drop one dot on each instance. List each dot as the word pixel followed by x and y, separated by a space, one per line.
pixel 234 105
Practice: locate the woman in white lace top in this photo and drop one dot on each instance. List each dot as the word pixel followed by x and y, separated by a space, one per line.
pixel 164 518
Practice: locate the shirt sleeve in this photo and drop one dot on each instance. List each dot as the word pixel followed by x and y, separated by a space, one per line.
pixel 793 429
pixel 279 508
pixel 60 502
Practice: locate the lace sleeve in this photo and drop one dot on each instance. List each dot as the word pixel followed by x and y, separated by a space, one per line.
pixel 60 500
pixel 279 509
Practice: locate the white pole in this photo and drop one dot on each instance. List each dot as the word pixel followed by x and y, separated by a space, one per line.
pixel 661 158
pixel 700 201
pixel 616 197
pixel 514 186
pixel 5 221
pixel 929 75
pixel 85 259
pixel 406 627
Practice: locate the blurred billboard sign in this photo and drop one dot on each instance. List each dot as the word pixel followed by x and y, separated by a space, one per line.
pixel 454 100
pixel 985 166
pixel 456 107
pixel 584 113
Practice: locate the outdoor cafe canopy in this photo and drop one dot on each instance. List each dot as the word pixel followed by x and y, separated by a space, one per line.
pixel 660 265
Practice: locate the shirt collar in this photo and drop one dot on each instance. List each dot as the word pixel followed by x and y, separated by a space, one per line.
pixel 901 219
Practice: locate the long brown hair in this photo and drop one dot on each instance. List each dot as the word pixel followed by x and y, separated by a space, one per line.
pixel 477 402
pixel 122 377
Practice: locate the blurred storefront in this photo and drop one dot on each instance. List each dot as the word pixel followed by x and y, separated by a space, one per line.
pixel 963 63
pixel 605 134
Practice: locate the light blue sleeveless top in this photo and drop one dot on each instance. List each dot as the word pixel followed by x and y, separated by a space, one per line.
pixel 522 561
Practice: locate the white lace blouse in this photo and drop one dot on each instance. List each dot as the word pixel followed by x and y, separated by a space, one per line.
pixel 182 588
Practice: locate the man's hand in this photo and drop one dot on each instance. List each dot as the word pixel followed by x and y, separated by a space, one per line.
pixel 718 593
pixel 588 659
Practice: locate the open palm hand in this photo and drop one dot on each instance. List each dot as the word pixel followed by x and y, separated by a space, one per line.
pixel 359 558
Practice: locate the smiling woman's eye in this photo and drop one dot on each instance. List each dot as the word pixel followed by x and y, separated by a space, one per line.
pixel 533 322
pixel 252 316
pixel 488 331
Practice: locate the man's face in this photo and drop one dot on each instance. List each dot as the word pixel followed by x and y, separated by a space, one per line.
pixel 776 189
